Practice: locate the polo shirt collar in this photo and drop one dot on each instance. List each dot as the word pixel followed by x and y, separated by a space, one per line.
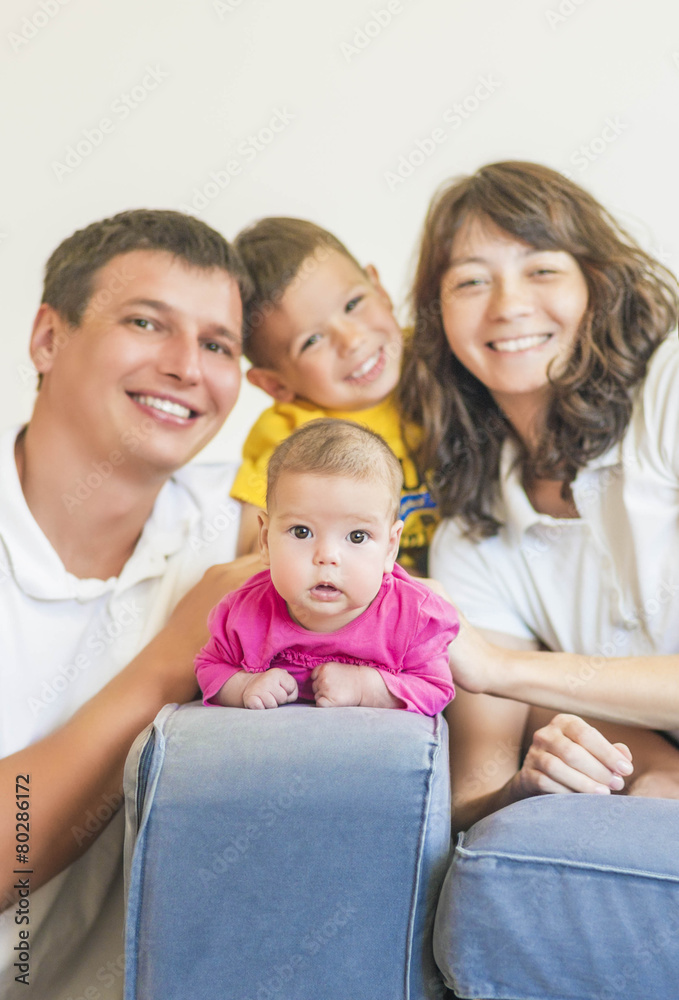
pixel 37 569
pixel 514 509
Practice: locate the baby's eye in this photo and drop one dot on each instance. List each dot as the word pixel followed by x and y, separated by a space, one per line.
pixel 313 339
pixel 352 303
pixel 358 537
pixel 300 531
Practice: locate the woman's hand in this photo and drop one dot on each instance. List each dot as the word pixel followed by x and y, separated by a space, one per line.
pixel 569 755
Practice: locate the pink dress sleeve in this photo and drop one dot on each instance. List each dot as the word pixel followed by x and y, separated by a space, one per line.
pixel 222 656
pixel 425 684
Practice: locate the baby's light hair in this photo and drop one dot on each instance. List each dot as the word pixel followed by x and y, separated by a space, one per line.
pixel 331 447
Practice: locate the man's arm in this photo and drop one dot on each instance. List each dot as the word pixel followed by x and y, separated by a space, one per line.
pixel 639 690
pixel 80 766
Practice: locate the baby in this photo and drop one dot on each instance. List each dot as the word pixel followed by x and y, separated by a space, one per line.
pixel 333 620
pixel 324 342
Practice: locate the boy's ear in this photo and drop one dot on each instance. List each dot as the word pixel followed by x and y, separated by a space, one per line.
pixel 392 552
pixel 264 537
pixel 269 381
pixel 373 274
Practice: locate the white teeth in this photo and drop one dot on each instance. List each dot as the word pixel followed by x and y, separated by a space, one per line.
pixel 366 366
pixel 520 344
pixel 164 405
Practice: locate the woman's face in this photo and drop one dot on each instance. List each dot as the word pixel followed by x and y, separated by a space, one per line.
pixel 508 312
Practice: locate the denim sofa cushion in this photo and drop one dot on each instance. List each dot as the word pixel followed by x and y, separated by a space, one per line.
pixel 565 897
pixel 295 853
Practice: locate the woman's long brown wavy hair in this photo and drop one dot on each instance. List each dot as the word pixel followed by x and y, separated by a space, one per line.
pixel 633 305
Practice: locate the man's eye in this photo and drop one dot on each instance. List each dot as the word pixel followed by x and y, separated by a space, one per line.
pixel 358 537
pixel 299 531
pixel 143 323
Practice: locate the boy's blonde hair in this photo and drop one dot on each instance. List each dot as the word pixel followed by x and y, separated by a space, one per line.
pixel 277 251
pixel 330 447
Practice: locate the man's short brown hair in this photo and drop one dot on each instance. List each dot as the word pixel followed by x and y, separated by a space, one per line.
pixel 71 270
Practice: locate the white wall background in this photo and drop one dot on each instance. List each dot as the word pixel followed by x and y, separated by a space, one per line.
pixel 564 74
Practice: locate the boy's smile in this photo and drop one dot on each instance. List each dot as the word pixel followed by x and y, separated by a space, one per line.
pixel 333 339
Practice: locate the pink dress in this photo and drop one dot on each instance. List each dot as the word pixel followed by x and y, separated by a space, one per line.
pixel 404 634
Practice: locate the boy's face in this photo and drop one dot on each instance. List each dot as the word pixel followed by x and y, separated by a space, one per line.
pixel 333 338
pixel 328 541
pixel 153 368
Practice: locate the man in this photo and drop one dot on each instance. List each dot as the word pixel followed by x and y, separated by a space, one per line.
pixel 137 345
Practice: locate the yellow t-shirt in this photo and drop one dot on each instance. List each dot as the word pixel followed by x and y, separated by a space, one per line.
pixel 418 511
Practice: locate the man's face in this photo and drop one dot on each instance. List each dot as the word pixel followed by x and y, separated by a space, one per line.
pixel 152 370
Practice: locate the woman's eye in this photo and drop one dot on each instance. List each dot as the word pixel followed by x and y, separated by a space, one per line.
pixel 357 537
pixel 352 303
pixel 300 531
pixel 313 339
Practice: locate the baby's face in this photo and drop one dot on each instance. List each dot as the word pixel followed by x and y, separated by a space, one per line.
pixel 334 337
pixel 328 542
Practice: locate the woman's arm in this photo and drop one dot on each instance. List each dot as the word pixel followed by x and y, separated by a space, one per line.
pixel 641 691
pixel 79 767
pixel 486 743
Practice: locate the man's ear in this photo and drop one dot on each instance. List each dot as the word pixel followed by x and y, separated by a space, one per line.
pixel 392 551
pixel 264 537
pixel 373 274
pixel 269 381
pixel 50 333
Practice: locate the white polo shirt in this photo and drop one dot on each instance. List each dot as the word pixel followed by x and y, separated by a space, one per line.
pixel 603 584
pixel 61 640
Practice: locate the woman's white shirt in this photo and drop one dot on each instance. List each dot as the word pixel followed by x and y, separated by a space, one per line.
pixel 603 584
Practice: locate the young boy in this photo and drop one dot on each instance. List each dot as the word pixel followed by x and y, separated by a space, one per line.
pixel 332 620
pixel 323 341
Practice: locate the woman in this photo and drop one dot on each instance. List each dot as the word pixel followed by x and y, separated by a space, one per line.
pixel 542 370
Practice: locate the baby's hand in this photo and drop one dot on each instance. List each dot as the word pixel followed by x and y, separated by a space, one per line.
pixel 337 684
pixel 270 689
